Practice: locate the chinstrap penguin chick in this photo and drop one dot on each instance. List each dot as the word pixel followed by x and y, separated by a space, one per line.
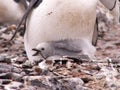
pixel 65 48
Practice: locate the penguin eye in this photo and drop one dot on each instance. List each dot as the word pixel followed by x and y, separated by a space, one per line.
pixel 42 49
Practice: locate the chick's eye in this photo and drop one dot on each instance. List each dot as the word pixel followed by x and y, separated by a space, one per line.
pixel 42 49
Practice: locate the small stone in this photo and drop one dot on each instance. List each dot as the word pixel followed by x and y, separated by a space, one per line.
pixel 69 65
pixel 28 64
pixel 6 36
pixel 14 86
pixel 5 76
pixel 5 81
pixel 1 87
pixel 2 30
pixel 16 77
pixel 11 27
pixel 5 59
pixel 21 60
pixel 5 68
pixel 46 64
pixel 37 70
pixel 73 83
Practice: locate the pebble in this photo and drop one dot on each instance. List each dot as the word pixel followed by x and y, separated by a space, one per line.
pixel 13 86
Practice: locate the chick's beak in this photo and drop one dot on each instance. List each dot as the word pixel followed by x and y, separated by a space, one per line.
pixel 36 52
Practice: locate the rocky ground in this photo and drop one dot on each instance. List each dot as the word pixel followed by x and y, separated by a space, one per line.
pixel 17 73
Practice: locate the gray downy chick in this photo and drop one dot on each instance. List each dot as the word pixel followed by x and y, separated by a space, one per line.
pixel 65 48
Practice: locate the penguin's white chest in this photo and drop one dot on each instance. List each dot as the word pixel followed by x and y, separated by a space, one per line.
pixel 61 19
